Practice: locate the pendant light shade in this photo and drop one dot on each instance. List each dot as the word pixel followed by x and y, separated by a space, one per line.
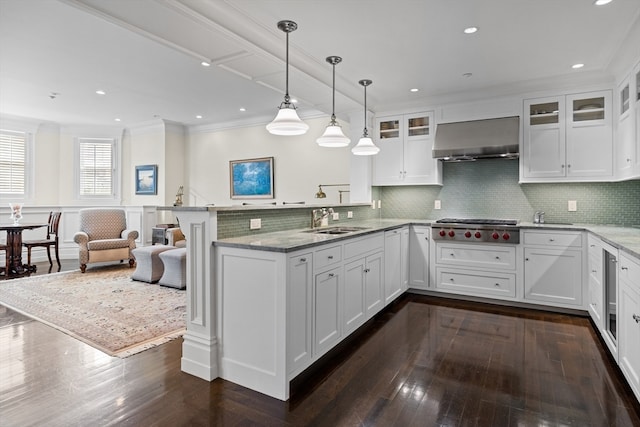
pixel 333 136
pixel 365 146
pixel 287 121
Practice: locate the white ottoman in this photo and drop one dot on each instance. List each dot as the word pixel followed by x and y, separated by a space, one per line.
pixel 175 268
pixel 149 267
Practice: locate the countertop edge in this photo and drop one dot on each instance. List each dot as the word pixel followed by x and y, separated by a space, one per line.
pixel 612 235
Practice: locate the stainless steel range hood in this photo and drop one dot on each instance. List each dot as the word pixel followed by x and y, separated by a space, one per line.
pixel 477 139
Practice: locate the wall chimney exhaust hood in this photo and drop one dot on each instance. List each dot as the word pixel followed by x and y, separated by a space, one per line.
pixel 490 138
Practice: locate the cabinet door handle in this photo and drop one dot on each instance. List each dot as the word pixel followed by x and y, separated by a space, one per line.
pixel 526 259
pixel 331 275
pixel 562 166
pixel 426 238
pixel 451 254
pixel 552 240
pixel 594 271
pixel 569 165
pixel 497 257
pixel 330 257
pixel 624 268
pixel 366 270
pixel 636 318
pixel 303 260
pixel 592 246
pixel 497 285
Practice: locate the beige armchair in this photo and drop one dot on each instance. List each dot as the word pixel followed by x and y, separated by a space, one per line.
pixel 103 236
pixel 176 238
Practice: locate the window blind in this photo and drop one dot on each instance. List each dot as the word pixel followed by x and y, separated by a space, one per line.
pixel 12 162
pixel 96 167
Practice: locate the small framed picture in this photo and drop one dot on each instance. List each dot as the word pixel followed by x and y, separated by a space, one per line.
pixel 147 179
pixel 252 178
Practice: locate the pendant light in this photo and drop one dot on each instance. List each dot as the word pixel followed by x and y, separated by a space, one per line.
pixel 333 136
pixel 287 121
pixel 365 146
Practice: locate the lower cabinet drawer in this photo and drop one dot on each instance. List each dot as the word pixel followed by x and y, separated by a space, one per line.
pixel 476 282
pixel 327 256
pixel 568 239
pixel 630 269
pixel 476 256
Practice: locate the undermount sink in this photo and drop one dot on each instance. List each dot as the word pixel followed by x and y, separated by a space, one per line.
pixel 335 230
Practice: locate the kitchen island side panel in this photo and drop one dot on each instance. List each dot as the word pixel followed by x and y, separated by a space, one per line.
pixel 252 319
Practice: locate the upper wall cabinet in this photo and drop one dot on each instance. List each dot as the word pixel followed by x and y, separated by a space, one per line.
pixel 626 141
pixel 636 112
pixel 405 143
pixel 568 138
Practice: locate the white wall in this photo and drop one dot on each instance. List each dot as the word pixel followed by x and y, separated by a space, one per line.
pixel 300 165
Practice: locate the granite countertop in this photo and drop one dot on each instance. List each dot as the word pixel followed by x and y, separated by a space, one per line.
pixel 293 240
pixel 623 238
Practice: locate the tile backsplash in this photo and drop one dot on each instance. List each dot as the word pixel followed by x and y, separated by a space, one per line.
pixel 236 223
pixel 490 189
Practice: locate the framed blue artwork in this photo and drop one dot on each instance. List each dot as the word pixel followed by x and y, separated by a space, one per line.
pixel 252 178
pixel 147 179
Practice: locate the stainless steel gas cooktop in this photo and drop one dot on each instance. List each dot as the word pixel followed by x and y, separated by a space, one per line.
pixel 477 230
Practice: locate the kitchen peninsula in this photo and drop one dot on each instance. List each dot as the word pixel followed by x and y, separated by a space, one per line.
pixel 264 307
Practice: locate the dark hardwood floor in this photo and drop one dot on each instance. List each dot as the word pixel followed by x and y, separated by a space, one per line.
pixel 423 361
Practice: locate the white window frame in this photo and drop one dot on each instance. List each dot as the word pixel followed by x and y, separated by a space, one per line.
pixel 29 130
pixel 113 198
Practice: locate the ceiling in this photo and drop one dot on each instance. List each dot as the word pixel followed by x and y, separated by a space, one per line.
pixel 146 55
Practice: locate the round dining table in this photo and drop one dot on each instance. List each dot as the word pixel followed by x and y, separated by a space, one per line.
pixel 15 267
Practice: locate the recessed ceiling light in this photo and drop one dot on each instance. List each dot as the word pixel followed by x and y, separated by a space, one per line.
pixel 205 63
pixel 198 116
pixel 602 2
pixel 101 92
pixel 415 89
pixel 243 109
pixel 576 66
pixel 470 30
pixel 116 119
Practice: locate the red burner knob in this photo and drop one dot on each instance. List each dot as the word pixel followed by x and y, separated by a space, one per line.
pixel 452 233
pixel 442 233
pixel 506 236
pixel 478 234
pixel 467 234
pixel 495 236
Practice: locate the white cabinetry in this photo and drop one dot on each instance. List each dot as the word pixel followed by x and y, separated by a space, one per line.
pixel 636 112
pixel 419 257
pixel 405 158
pixel 626 133
pixel 595 271
pixel 300 276
pixel 326 310
pixel 553 268
pixel 396 251
pixel 363 285
pixel 475 269
pixel 629 320
pixel 568 138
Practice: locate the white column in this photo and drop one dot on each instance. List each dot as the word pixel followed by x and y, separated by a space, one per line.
pixel 200 347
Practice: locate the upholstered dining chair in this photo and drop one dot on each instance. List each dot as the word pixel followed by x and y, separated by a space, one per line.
pixel 104 236
pixel 48 242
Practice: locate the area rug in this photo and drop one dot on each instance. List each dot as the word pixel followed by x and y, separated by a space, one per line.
pixel 102 307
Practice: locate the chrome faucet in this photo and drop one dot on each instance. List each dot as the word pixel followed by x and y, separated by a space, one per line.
pixel 538 217
pixel 319 215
